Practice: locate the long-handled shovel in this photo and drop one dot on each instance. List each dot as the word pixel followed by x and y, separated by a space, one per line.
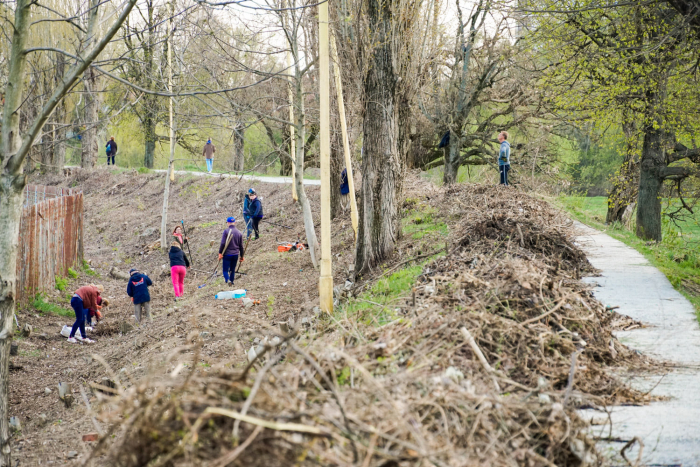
pixel 213 274
pixel 184 231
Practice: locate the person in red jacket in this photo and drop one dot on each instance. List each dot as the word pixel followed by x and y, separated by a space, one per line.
pixel 83 299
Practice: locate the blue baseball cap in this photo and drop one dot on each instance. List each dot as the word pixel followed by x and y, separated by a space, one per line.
pixel 231 219
pixel 251 191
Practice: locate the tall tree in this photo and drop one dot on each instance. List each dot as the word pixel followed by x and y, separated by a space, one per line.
pixel 14 147
pixel 629 60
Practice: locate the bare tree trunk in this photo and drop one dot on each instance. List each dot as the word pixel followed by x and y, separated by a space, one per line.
pixel 650 183
pixel 286 162
pixel 149 126
pixel 239 148
pixel 626 182
pixel 379 226
pixel 452 160
pixel 300 134
pixel 92 102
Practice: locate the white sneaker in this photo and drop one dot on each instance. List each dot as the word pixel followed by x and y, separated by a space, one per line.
pixel 71 340
pixel 65 332
pixel 88 341
pixel 79 337
pixel 88 328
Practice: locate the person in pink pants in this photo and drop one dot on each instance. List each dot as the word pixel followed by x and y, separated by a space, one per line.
pixel 179 264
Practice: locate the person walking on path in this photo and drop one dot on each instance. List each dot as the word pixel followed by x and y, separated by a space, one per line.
pixel 83 299
pixel 230 249
pixel 137 289
pixel 208 153
pixel 504 157
pixel 256 213
pixel 178 268
pixel 344 190
pixel 246 212
pixel 111 150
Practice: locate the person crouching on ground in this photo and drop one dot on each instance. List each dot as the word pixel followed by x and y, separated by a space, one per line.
pixel 256 213
pixel 83 299
pixel 229 250
pixel 137 289
pixel 94 313
pixel 178 268
pixel 504 157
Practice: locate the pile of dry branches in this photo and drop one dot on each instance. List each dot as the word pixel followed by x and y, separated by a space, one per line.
pixel 485 366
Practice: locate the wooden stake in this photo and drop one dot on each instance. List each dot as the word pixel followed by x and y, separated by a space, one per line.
pixel 326 280
pixel 344 128
pixel 293 145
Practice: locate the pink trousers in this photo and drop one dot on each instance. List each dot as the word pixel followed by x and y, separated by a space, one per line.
pixel 178 274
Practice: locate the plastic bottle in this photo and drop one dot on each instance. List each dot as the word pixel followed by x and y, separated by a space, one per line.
pixel 230 294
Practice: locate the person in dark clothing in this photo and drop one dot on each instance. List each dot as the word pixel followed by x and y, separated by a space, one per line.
pixel 246 212
pixel 344 189
pixel 256 213
pixel 230 249
pixel 137 289
pixel 178 268
pixel 111 150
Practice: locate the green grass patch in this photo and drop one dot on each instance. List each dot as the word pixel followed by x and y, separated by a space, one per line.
pixel 88 270
pixel 209 224
pixel 677 255
pixel 144 170
pixel 72 273
pixel 377 305
pixel 40 304
pixel 61 283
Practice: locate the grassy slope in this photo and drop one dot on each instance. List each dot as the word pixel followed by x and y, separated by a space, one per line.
pixel 677 256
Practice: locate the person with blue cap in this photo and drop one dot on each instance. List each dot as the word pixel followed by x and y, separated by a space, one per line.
pixel 208 153
pixel 230 249
pixel 256 213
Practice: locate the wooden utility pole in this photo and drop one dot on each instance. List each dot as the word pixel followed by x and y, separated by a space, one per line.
pixel 170 176
pixel 344 128
pixel 326 280
pixel 293 145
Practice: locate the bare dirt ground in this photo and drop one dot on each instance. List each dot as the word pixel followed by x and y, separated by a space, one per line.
pixel 122 218
pixel 410 390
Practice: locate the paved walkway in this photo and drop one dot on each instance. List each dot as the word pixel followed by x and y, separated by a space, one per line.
pixel 670 429
pixel 256 178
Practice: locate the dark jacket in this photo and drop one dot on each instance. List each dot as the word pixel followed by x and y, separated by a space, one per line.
pixel 235 246
pixel 177 257
pixel 344 186
pixel 138 288
pixel 246 205
pixel 256 208
pixel 111 147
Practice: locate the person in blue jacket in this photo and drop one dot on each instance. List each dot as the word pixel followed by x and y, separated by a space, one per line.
pixel 138 291
pixel 246 212
pixel 256 213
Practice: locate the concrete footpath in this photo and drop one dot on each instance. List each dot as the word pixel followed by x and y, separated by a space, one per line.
pixel 670 430
pixel 253 178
